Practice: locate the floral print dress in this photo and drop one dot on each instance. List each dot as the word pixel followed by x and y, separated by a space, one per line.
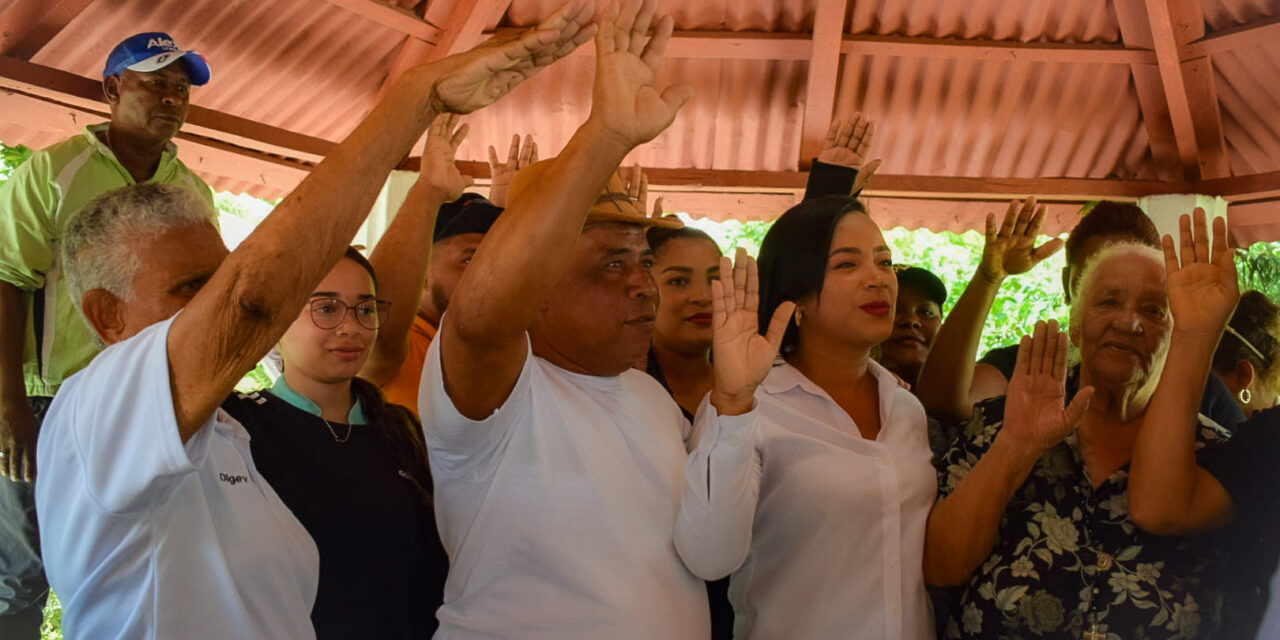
pixel 1068 561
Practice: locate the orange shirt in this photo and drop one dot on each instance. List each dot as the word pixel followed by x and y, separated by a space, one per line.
pixel 403 388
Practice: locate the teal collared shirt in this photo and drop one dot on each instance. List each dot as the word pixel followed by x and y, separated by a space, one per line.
pixel 281 390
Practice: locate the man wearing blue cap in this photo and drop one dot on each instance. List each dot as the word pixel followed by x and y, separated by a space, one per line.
pixel 43 339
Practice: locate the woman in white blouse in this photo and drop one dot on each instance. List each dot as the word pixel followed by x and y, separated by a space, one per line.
pixel 821 523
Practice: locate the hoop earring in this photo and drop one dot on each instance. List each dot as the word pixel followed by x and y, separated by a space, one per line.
pixel 1245 396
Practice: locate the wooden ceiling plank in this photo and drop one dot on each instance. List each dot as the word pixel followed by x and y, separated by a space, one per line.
pixel 1164 34
pixel 1135 31
pixel 824 70
pixel 26 26
pixel 392 17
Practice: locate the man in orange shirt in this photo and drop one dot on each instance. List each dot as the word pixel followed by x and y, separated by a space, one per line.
pixel 460 226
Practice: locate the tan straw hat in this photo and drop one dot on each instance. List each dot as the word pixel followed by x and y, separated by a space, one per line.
pixel 612 205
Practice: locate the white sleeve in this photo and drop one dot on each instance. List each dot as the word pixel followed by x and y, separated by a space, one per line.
pixel 120 417
pixel 722 487
pixel 458 445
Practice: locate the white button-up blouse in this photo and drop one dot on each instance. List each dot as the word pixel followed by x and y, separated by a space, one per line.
pixel 822 529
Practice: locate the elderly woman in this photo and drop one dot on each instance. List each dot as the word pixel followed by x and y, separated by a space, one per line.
pixel 155 520
pixel 1034 525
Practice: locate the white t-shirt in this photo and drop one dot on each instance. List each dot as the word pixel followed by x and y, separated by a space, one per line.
pixel 144 537
pixel 827 537
pixel 558 510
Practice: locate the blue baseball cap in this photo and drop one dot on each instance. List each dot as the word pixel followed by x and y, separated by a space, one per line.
pixel 154 50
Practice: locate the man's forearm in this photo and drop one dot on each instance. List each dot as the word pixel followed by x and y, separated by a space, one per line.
pixel 527 251
pixel 13 323
pixel 254 296
pixel 947 373
pixel 400 259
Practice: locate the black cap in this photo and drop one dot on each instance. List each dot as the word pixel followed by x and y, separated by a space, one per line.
pixel 471 213
pixel 924 280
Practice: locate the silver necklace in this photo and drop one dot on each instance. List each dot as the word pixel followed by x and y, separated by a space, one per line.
pixel 345 436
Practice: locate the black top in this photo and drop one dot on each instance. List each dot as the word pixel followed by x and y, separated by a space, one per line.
pixel 1217 404
pixel 829 180
pixel 382 567
pixel 1248 466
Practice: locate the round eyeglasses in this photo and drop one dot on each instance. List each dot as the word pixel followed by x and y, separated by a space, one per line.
pixel 329 313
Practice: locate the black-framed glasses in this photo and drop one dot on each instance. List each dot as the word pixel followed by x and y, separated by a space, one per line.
pixel 329 313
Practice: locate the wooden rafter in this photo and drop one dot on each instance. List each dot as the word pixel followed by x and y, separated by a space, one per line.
pixel 463 29
pixel 938 187
pixel 739 45
pixel 1164 37
pixel 393 17
pixel 994 50
pixel 824 71
pixel 1262 32
pixel 26 26
pixel 61 87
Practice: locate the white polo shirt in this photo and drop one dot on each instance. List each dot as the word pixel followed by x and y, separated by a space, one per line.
pixel 144 537
pixel 822 529
pixel 558 510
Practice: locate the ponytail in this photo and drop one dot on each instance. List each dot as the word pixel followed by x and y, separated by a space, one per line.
pixel 401 434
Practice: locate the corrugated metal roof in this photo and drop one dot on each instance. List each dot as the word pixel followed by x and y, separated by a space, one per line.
pixel 314 67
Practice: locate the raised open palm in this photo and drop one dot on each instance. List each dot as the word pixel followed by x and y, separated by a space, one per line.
pixel 1203 289
pixel 742 357
pixel 438 168
pixel 478 77
pixel 629 51
pixel 848 141
pixel 1011 249
pixel 1033 413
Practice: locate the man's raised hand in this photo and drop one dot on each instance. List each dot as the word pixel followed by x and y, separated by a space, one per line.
pixel 439 171
pixel 478 77
pixel 629 51
pixel 741 356
pixel 501 174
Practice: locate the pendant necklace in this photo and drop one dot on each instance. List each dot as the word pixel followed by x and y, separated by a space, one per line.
pixel 344 437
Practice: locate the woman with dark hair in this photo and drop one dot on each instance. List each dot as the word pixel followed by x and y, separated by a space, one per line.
pixel 350 466
pixel 685 263
pixel 1248 358
pixel 828 535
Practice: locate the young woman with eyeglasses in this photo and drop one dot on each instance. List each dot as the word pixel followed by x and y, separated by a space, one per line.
pixel 352 468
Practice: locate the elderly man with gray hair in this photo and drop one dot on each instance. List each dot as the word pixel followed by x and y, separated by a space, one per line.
pixel 156 524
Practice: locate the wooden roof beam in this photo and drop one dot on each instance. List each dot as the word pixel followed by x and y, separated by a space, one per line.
pixel 937 187
pixel 56 85
pixel 463 30
pixel 824 72
pixel 1262 32
pixel 752 45
pixel 26 26
pixel 1252 187
pixel 406 22
pixel 995 50
pixel 1168 31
